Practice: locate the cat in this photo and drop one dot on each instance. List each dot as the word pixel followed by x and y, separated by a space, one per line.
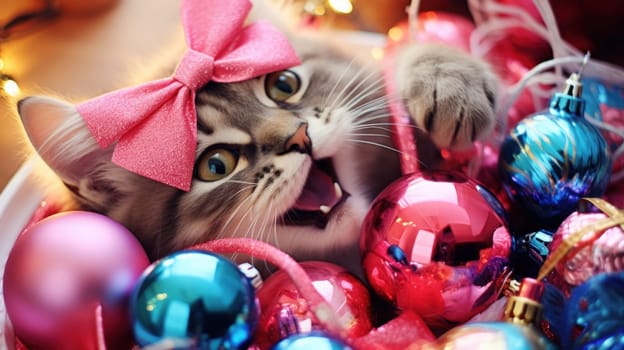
pixel 293 158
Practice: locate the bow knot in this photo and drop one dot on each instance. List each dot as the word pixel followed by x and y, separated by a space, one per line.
pixel 194 70
pixel 154 125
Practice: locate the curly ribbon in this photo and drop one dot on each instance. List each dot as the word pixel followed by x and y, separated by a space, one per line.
pixel 154 124
pixel 321 309
pixel 574 242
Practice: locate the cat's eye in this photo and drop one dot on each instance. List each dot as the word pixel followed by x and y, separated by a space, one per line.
pixel 216 163
pixel 280 86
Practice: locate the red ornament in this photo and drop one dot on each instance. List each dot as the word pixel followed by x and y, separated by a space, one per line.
pixel 436 243
pixel 511 65
pixel 284 311
pixel 406 331
pixel 520 37
pixel 67 282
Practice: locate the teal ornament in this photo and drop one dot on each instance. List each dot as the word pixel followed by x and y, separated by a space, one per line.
pixel 552 159
pixel 194 300
pixel 313 340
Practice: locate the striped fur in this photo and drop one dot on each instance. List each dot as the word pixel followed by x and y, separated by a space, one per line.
pixel 449 94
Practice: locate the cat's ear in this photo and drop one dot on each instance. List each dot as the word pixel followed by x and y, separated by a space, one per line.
pixel 60 136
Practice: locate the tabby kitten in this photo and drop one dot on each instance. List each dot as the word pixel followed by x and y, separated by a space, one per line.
pixel 293 158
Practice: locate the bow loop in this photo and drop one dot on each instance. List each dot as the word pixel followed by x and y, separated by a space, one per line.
pixel 194 70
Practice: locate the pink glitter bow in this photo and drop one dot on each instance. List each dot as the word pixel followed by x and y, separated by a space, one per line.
pixel 154 124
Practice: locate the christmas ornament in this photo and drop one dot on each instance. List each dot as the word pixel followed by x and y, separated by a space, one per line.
pixel 67 282
pixel 552 159
pixel 493 336
pixel 528 252
pixel 436 243
pixel 522 314
pixel 324 313
pixel 515 31
pixel 586 243
pixel 433 27
pixel 405 331
pixel 524 308
pixel 315 340
pixel 285 311
pixel 605 104
pixel 511 65
pixel 594 316
pixel 194 300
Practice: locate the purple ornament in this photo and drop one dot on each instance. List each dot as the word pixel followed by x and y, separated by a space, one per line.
pixel 68 273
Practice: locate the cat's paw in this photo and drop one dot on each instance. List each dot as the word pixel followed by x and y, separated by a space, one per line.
pixel 448 93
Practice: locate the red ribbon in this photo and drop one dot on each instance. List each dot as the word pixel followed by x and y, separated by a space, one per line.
pixel 155 124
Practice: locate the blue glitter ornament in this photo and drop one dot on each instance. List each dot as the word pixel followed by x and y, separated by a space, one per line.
pixel 314 340
pixel 594 314
pixel 194 300
pixel 552 159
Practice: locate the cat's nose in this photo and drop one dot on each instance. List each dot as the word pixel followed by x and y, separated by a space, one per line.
pixel 299 141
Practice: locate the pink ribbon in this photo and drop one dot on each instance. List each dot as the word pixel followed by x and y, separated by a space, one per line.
pixel 155 124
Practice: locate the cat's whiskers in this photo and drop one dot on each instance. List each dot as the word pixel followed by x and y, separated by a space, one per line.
pixel 371 135
pixel 340 97
pixel 380 126
pixel 337 83
pixel 374 144
pixel 374 87
pixel 241 205
pixel 375 104
pixel 352 89
pixel 269 222
pixel 243 183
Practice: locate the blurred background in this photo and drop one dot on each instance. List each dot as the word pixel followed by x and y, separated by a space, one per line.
pixel 77 49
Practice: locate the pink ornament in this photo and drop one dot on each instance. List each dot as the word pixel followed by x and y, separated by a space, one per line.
pixel 284 311
pixel 511 65
pixel 522 38
pixel 69 277
pixel 600 250
pixel 436 243
pixel 434 27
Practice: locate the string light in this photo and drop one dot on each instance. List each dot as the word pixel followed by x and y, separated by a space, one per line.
pixel 8 86
pixel 341 6
pixel 321 7
pixel 20 25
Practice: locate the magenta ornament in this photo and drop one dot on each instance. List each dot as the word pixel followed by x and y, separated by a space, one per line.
pixel 436 243
pixel 600 250
pixel 286 312
pixel 69 277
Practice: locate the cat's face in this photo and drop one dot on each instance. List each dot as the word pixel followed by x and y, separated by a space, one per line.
pixel 292 158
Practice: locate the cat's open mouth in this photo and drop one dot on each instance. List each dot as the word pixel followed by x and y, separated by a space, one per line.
pixel 319 197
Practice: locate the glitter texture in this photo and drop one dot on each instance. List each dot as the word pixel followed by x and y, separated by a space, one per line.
pixel 154 124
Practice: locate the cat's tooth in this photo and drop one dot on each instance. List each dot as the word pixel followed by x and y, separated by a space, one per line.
pixel 325 209
pixel 338 190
